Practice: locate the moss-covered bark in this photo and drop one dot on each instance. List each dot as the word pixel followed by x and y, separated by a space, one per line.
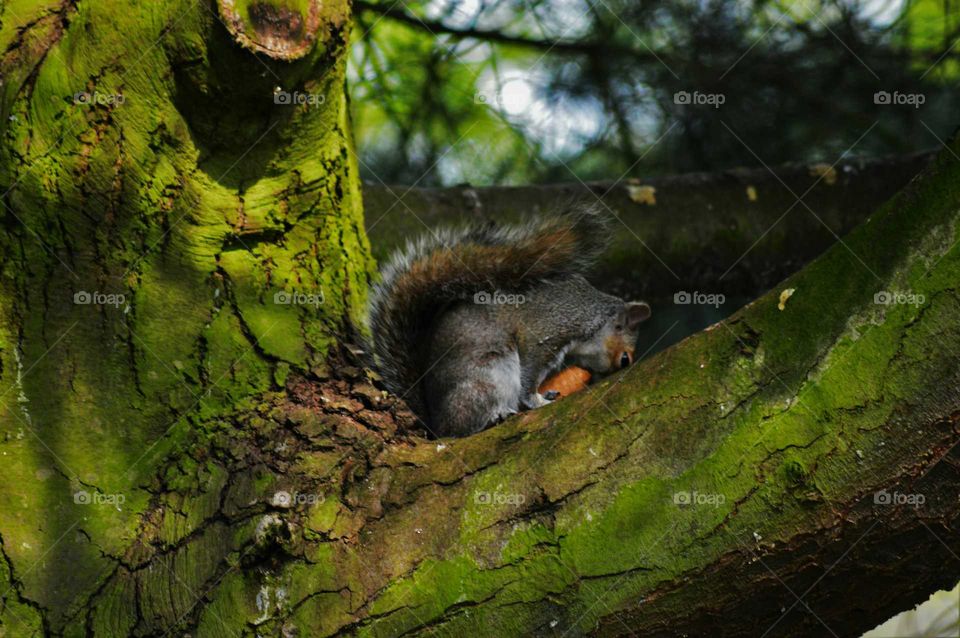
pixel 159 191
pixel 805 452
pixel 198 458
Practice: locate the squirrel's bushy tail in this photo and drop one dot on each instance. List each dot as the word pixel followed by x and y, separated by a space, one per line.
pixel 451 265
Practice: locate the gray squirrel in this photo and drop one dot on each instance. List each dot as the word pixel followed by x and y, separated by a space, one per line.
pixel 466 324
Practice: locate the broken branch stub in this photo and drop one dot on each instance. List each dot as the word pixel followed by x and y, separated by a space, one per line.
pixel 281 30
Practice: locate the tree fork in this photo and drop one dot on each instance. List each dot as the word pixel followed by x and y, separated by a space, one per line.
pixel 268 487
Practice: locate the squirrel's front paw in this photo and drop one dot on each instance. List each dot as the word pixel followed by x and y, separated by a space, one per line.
pixel 537 400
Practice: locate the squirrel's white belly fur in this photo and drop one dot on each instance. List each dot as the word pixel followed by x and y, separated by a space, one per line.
pixel 504 373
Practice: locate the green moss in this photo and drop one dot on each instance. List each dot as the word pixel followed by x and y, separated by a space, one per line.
pixel 112 615
pixel 322 516
pixel 322 614
pixel 232 607
pixel 146 186
pixel 524 542
pixel 794 472
pixel 200 214
pixel 432 588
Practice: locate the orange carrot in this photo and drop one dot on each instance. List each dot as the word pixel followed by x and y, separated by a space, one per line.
pixel 567 381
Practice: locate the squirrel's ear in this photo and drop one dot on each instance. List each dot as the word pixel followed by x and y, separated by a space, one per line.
pixel 637 311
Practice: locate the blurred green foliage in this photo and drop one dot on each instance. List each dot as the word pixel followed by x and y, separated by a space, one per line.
pixel 521 91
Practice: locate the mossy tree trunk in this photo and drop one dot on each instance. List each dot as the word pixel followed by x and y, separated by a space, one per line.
pixel 182 227
pixel 186 452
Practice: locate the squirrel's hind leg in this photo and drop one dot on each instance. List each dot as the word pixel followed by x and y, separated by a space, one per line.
pixel 468 399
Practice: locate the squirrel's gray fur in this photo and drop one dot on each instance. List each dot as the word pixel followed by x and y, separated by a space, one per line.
pixel 463 365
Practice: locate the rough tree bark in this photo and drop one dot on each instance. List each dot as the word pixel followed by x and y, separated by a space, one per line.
pixel 200 458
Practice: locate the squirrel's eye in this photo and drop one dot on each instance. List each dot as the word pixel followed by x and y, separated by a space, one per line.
pixel 624 359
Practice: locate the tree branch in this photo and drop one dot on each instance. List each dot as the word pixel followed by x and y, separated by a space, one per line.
pixel 739 231
pixel 794 467
pixel 492 35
